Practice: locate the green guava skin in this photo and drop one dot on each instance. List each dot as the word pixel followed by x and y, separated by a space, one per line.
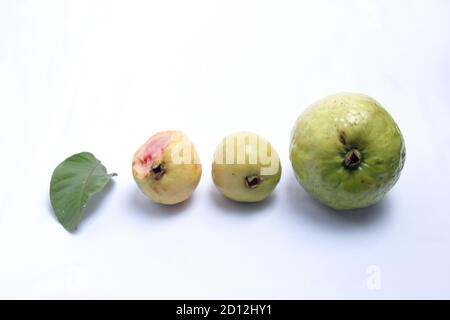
pixel 325 133
pixel 229 179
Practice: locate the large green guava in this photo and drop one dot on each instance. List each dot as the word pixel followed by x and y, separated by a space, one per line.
pixel 347 151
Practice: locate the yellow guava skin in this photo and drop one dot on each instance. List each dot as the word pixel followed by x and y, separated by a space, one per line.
pixel 327 131
pixel 232 179
pixel 178 180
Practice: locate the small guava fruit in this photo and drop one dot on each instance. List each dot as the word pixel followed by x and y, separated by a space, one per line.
pixel 167 168
pixel 246 168
pixel 347 151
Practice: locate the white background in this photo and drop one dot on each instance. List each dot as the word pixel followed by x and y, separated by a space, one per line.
pixel 103 76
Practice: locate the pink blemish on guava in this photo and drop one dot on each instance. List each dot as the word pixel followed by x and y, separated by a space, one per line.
pixel 154 149
pixel 146 161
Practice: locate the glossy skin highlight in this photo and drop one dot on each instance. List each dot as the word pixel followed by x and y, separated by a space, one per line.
pixel 160 175
pixel 347 151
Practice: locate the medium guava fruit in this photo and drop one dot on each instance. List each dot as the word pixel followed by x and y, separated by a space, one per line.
pixel 347 151
pixel 167 168
pixel 246 168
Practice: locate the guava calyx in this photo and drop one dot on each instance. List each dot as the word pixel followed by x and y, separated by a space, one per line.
pixel 157 170
pixel 352 159
pixel 253 181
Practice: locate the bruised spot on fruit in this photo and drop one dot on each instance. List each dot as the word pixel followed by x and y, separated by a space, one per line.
pixel 253 181
pixel 146 160
pixel 352 159
pixel 150 153
pixel 158 171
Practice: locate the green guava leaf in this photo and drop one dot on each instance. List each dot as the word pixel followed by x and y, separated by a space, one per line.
pixel 73 183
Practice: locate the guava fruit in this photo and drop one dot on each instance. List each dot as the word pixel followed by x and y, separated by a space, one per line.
pixel 347 151
pixel 167 168
pixel 246 168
